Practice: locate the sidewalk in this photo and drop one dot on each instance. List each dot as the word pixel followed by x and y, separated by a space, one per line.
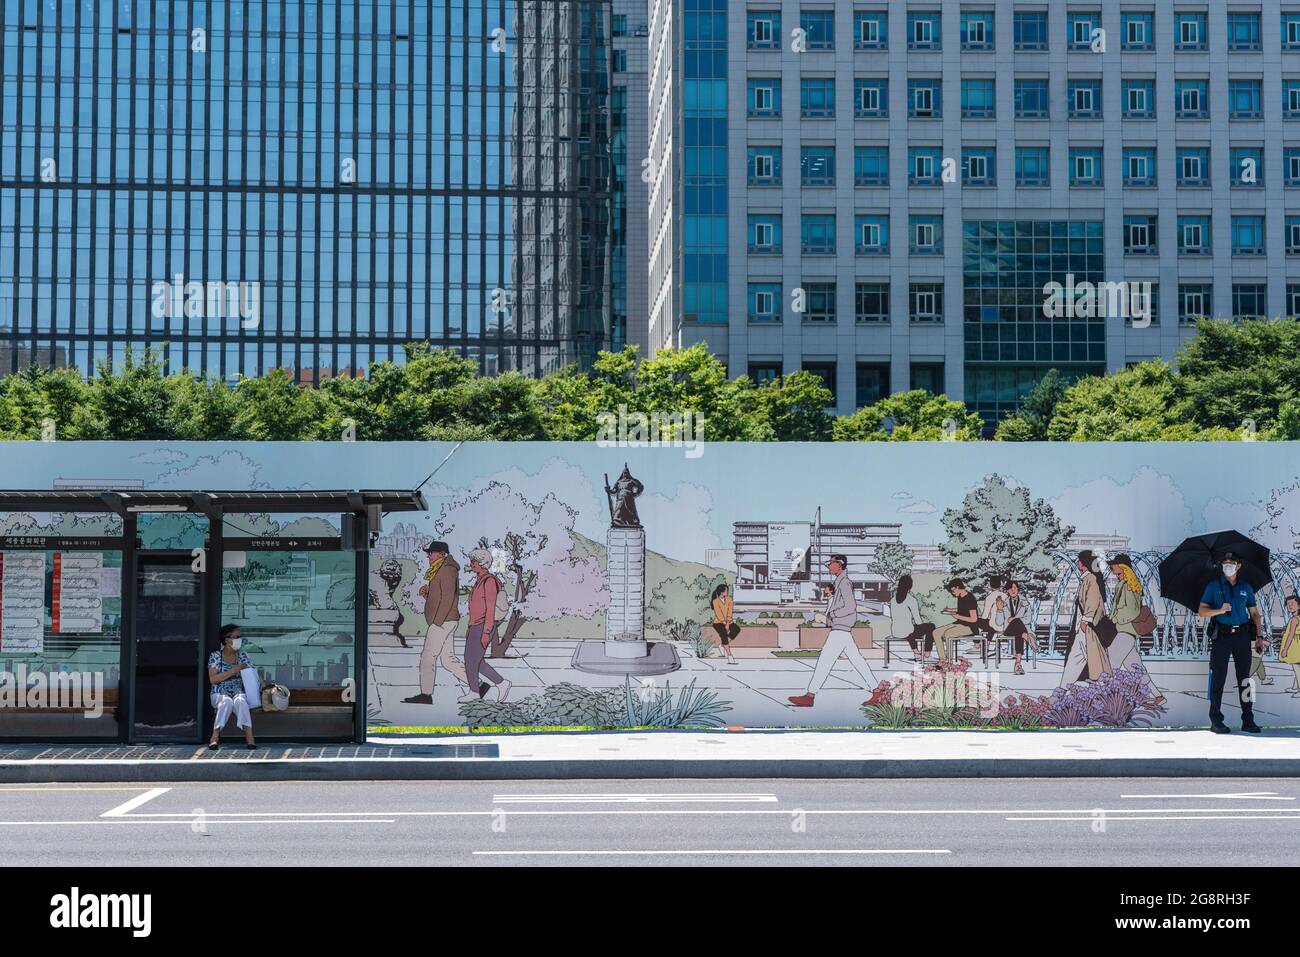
pixel 683 754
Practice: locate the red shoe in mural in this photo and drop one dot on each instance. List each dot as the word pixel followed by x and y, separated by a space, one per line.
pixel 802 700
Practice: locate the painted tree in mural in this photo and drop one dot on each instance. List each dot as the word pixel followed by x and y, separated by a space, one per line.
pixel 532 545
pixel 1000 530
pixel 891 561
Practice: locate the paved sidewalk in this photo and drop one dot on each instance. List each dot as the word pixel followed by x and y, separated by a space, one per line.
pixel 683 754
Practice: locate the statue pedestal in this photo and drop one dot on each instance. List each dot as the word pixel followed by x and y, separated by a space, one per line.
pixel 625 650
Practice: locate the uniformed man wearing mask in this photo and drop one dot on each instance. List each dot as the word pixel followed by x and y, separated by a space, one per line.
pixel 1230 603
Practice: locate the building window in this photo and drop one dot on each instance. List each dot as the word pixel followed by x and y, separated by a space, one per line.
pixel 819 302
pixel 1291 99
pixel 819 28
pixel 979 166
pixel 764 97
pixel 764 373
pixel 764 302
pixel 924 99
pixel 764 29
pixel 1137 31
pixel 1085 166
pixel 1291 166
pixel 1191 99
pixel 1031 99
pixel 817 234
pixel 1246 166
pixel 1243 31
pixel 1139 98
pixel 1245 102
pixel 978 99
pixel 1291 31
pixel 1032 166
pixel 926 235
pixel 977 30
pixel 871 98
pixel 817 165
pixel 765 166
pixel 824 371
pixel 1193 235
pixel 924 165
pixel 1193 163
pixel 1139 166
pixel 1293 235
pixel 619 63
pixel 1194 302
pixel 765 234
pixel 1248 235
pixel 618 25
pixel 871 302
pixel 871 166
pixel 924 31
pixel 927 376
pixel 1190 31
pixel 871 30
pixel 925 302
pixel 1144 296
pixel 871 233
pixel 1249 300
pixel 1080 28
pixel 1030 30
pixel 872 382
pixel 1085 99
pixel 1140 235
pixel 816 97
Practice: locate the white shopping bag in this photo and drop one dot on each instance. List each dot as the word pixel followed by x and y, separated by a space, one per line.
pixel 252 687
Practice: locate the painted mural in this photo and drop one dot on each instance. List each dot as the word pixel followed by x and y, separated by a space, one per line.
pixel 756 585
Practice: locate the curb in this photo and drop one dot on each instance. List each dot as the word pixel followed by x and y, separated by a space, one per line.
pixel 433 769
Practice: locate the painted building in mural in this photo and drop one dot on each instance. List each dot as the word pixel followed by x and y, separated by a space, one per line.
pixel 542 512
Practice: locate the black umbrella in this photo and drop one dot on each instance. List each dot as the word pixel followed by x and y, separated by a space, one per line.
pixel 1195 563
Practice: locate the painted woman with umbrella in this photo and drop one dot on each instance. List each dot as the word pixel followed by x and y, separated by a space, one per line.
pixel 1216 576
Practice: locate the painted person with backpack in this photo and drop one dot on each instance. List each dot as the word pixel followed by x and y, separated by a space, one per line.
pixel 485 614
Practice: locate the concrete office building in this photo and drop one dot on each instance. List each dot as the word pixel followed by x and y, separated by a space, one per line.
pixel 879 192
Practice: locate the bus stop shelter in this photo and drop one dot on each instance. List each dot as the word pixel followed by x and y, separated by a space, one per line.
pixel 112 600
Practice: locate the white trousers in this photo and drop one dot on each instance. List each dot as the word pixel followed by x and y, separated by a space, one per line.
pixel 1076 665
pixel 840 642
pixel 226 704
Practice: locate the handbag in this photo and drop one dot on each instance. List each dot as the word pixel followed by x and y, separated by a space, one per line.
pixel 275 697
pixel 1144 625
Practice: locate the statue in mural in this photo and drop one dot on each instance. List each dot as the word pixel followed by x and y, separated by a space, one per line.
pixel 622 500
pixel 384 615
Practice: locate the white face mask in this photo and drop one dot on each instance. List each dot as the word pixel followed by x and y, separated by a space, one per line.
pixel 236 642
pixel 1229 570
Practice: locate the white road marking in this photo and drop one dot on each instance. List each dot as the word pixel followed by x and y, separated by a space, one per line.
pixel 123 809
pixel 188 822
pixel 678 852
pixel 626 798
pixel 1169 817
pixel 1243 795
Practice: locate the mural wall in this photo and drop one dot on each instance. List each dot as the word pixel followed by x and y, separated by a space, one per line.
pixel 646 586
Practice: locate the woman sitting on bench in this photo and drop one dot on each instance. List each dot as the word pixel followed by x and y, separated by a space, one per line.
pixel 1015 628
pixel 224 667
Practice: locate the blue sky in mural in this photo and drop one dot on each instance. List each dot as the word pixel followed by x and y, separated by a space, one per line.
pixel 1156 494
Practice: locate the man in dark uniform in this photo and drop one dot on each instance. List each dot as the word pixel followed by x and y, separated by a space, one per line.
pixel 1235 625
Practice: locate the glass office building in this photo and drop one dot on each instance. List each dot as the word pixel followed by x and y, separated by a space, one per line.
pixel 306 185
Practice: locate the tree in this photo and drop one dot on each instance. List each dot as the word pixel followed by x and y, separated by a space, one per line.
pixel 1233 371
pixel 256 571
pixel 1139 404
pixel 273 408
pixel 534 545
pixel 891 561
pixel 915 415
pixel 795 407
pixel 1000 531
pixel 1034 419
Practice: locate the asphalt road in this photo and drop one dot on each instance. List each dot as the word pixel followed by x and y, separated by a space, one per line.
pixel 1066 822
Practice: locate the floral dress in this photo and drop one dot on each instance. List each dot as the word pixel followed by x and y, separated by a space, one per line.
pixel 235 683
